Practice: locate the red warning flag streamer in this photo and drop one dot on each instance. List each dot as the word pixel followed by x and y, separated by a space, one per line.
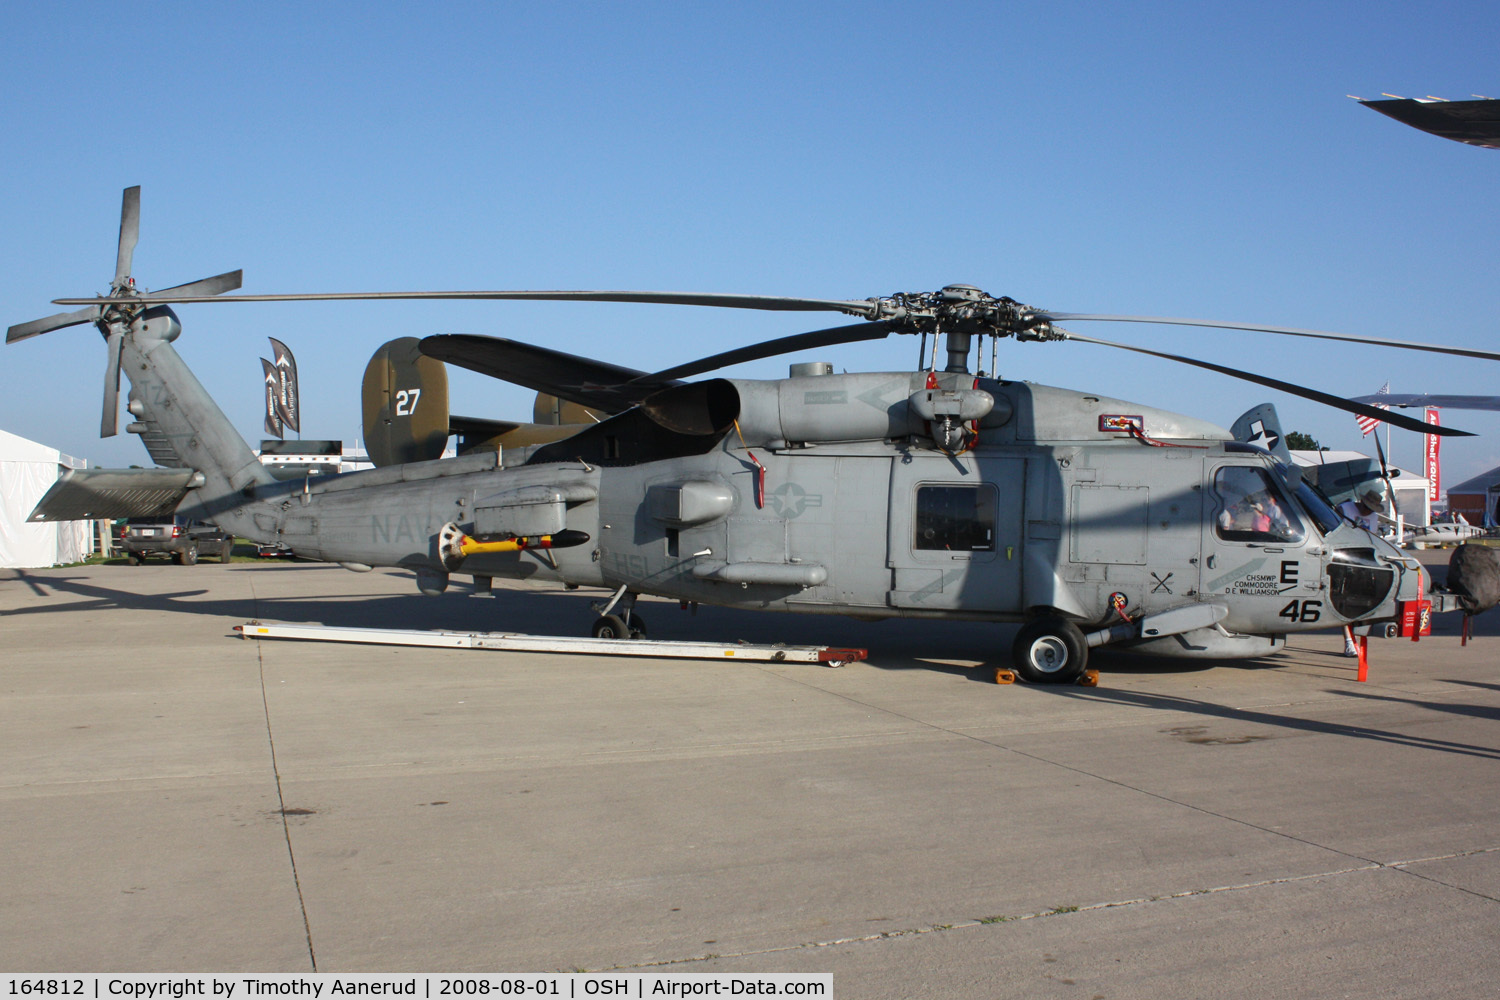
pixel 760 470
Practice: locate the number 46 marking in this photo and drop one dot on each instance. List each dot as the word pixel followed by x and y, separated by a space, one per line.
pixel 1302 611
pixel 406 402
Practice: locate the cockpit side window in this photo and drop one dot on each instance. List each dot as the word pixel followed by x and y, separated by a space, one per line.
pixel 955 519
pixel 1252 509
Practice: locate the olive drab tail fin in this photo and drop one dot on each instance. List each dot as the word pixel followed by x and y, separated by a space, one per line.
pixel 404 403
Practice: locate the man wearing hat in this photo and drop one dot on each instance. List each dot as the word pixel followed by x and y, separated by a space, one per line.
pixel 1364 510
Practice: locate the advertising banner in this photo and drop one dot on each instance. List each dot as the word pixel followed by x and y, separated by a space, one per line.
pixel 287 407
pixel 273 395
pixel 1430 456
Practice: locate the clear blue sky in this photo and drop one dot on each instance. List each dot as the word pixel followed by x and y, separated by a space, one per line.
pixel 1181 159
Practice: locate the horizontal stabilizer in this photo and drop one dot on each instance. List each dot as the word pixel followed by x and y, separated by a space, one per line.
pixel 479 428
pixel 1432 399
pixel 90 494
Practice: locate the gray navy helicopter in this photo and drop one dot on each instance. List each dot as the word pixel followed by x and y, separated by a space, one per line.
pixel 936 494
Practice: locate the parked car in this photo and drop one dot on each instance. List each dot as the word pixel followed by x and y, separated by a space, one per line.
pixel 274 550
pixel 177 537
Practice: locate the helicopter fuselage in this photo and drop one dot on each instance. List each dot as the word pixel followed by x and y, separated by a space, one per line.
pixel 830 495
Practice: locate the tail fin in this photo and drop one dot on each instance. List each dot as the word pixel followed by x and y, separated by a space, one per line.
pixel 1260 425
pixel 404 399
pixel 179 421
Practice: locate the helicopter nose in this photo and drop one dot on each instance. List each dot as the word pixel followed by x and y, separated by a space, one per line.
pixel 1413 580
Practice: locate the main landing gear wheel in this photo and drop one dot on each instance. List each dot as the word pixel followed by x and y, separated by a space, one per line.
pixel 636 624
pixel 1050 651
pixel 611 627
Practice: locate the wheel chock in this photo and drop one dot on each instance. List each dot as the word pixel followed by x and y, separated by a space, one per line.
pixel 1089 679
pixel 1004 675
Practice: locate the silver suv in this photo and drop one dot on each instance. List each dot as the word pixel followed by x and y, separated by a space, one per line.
pixel 177 537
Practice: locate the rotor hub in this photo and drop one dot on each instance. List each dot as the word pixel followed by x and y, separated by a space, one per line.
pixel 120 312
pixel 956 308
pixel 961 312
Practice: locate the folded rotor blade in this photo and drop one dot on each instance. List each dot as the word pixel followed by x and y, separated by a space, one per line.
pixel 109 422
pixel 782 345
pixel 226 282
pixel 130 231
pixel 597 385
pixel 1287 331
pixel 1328 399
pixel 856 307
pixel 39 326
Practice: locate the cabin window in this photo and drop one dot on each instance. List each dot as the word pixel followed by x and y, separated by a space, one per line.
pixel 1252 509
pixel 955 519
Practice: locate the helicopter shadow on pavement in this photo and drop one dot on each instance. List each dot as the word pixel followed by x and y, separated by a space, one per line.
pixel 970 649
pixel 1490 713
pixel 1259 717
pixel 395 604
pixel 331 606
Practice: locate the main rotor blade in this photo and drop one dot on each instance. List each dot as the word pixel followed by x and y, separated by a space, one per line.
pixel 781 345
pixel 109 422
pixel 39 326
pixel 130 231
pixel 1328 399
pixel 226 282
pixel 857 307
pixel 1288 331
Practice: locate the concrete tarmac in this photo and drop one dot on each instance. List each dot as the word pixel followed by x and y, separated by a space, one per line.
pixel 175 798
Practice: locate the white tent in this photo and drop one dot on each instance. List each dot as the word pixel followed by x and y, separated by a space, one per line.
pixel 27 470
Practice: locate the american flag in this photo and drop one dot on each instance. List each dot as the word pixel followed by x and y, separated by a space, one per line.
pixel 1367 424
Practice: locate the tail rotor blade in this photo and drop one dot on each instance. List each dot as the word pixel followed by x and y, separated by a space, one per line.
pixel 130 231
pixel 39 326
pixel 109 423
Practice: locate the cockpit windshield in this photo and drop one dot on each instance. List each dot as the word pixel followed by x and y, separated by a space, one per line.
pixel 1323 515
pixel 1313 502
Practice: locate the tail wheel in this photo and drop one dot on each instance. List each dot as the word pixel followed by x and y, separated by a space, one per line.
pixel 610 627
pixel 1050 650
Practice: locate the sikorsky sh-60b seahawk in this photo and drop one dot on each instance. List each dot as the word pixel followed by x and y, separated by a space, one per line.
pixel 934 494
